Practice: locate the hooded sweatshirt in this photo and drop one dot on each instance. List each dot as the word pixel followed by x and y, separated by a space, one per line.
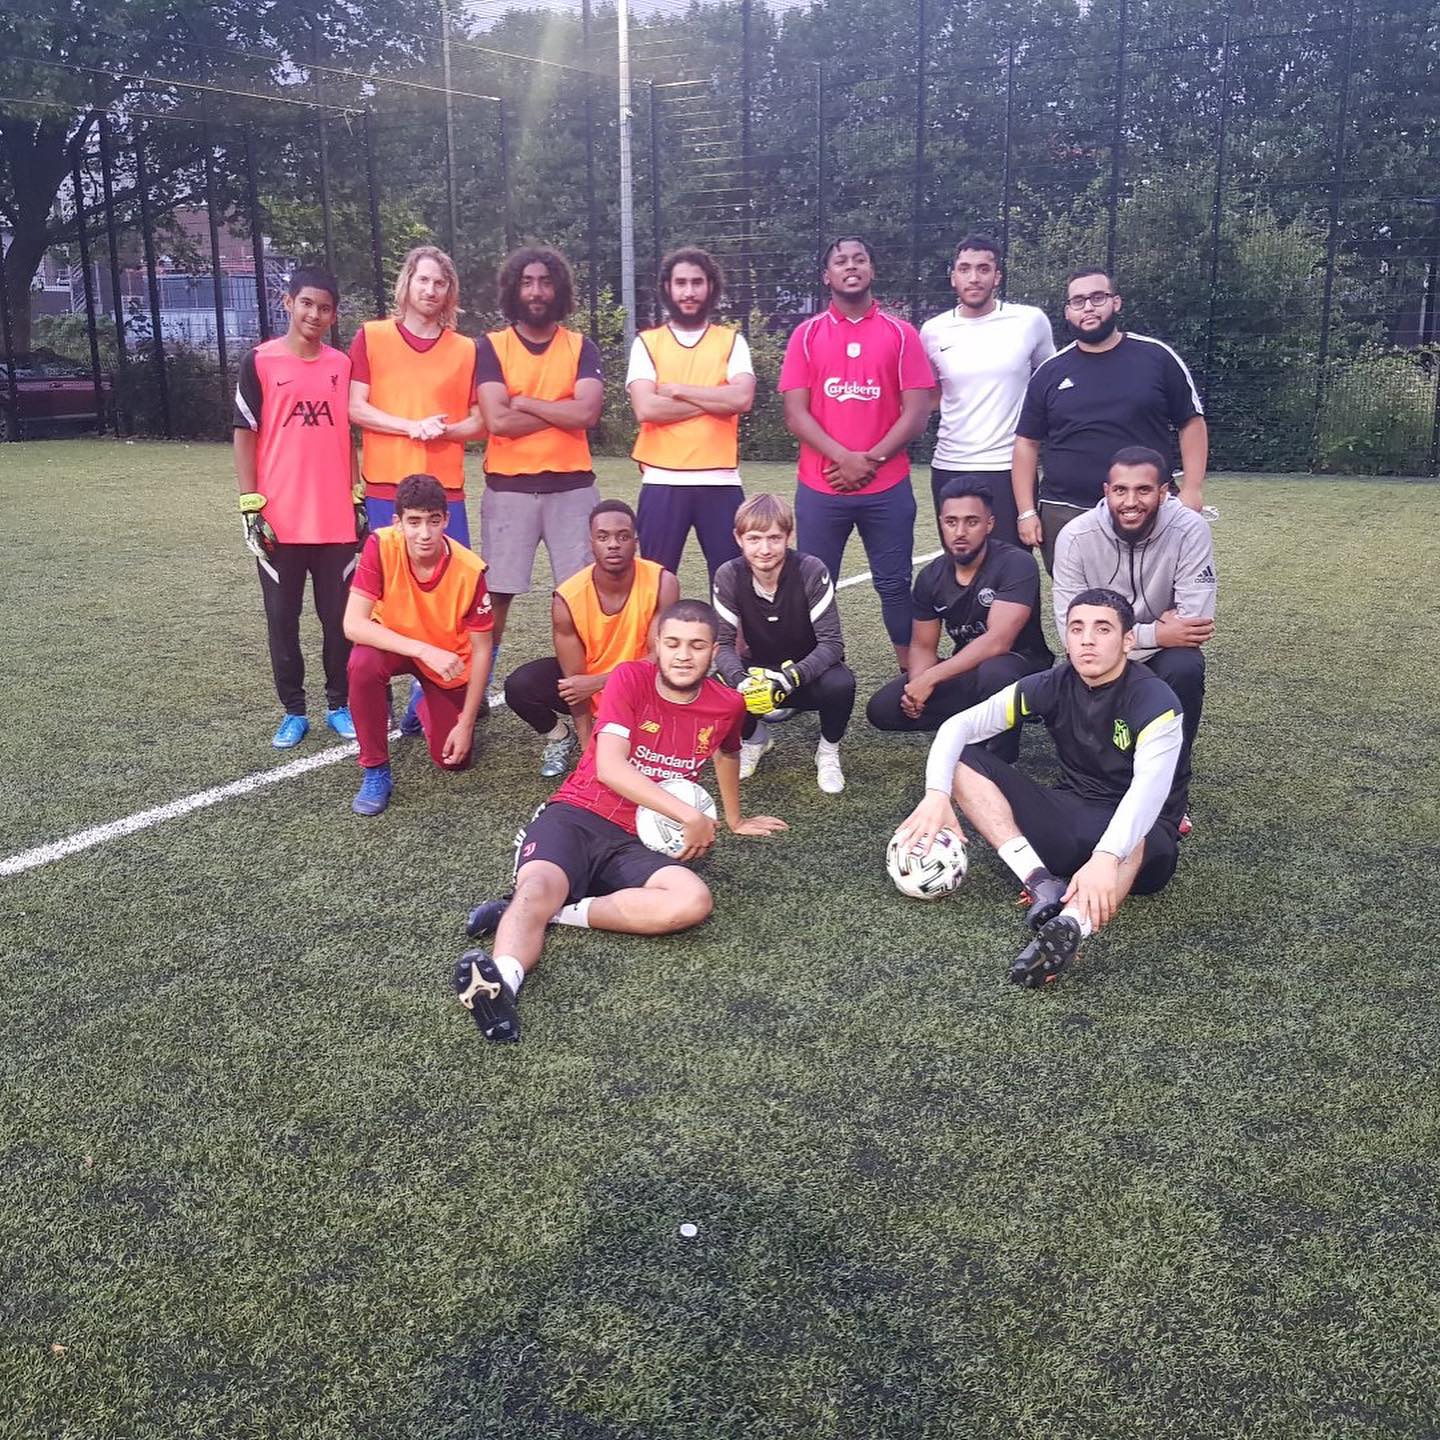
pixel 1172 568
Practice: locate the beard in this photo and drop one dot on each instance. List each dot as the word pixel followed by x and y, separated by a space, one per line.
pixel 541 315
pixel 678 317
pixel 1097 336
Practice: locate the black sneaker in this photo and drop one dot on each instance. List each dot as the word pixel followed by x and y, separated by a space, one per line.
pixel 484 919
pixel 1046 899
pixel 481 989
pixel 1048 955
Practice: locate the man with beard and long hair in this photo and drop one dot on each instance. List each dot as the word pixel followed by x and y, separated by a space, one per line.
pixel 689 382
pixel 1107 389
pixel 985 594
pixel 1142 543
pixel 412 391
pixel 540 393
pixel 579 862
pixel 858 389
pixel 984 349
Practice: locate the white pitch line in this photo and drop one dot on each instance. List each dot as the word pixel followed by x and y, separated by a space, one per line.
pixel 145 819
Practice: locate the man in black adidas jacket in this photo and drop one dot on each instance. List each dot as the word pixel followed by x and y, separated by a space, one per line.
pixel 780 644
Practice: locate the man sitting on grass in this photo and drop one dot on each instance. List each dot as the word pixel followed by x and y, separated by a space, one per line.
pixel 1110 826
pixel 418 606
pixel 780 642
pixel 578 862
pixel 600 617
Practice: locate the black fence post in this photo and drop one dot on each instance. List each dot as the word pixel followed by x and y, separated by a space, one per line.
pixel 1332 238
pixel 1217 206
pixel 217 270
pixel 1006 179
pixel 592 217
pixel 257 233
pixel 12 397
pixel 78 180
pixel 747 239
pixel 917 190
pixel 821 180
pixel 372 187
pixel 1431 334
pixel 112 239
pixel 655 215
pixel 147 236
pixel 1117 137
pixel 322 129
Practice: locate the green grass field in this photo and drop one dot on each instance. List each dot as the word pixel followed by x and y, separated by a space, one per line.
pixel 259 1176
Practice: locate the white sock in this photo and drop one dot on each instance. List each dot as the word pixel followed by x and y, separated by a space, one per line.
pixel 1020 856
pixel 577 914
pixel 512 972
pixel 828 747
pixel 761 734
pixel 1081 919
pixel 560 731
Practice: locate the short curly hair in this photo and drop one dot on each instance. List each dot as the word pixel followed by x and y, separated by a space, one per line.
pixel 513 267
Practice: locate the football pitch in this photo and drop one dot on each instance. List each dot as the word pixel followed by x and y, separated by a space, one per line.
pixel 261 1177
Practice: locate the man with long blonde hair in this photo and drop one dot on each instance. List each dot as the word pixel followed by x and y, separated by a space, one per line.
pixel 412 390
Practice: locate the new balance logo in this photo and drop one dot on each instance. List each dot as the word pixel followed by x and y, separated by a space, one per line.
pixel 311 412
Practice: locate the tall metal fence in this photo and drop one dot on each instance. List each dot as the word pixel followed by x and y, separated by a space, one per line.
pixel 1269 199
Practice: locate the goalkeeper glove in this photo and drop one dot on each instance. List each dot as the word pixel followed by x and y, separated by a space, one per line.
pixel 362 516
pixel 260 539
pixel 765 690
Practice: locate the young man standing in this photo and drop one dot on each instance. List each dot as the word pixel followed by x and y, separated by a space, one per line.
pixel 540 392
pixel 601 617
pixel 578 862
pixel 1109 827
pixel 986 595
pixel 984 350
pixel 418 606
pixel 858 389
pixel 689 383
pixel 1104 390
pixel 1146 545
pixel 780 642
pixel 412 391
pixel 296 468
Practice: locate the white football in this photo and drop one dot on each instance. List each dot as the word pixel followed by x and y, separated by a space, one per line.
pixel 933 875
pixel 661 833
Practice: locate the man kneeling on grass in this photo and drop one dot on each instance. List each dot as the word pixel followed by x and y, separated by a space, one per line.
pixel 1110 826
pixel 418 606
pixel 578 862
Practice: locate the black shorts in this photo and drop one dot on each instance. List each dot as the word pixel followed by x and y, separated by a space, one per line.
pixel 1064 827
pixel 598 856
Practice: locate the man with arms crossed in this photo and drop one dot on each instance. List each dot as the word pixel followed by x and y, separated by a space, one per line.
pixel 1109 827
pixel 578 862
pixel 1104 390
pixel 412 391
pixel 984 351
pixel 780 641
pixel 601 616
pixel 1141 542
pixel 418 606
pixel 986 594
pixel 689 383
pixel 858 390
pixel 296 468
pixel 540 392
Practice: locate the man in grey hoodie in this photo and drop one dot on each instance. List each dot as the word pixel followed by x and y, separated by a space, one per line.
pixel 1144 543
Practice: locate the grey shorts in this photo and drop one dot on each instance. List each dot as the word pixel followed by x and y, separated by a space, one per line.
pixel 512 525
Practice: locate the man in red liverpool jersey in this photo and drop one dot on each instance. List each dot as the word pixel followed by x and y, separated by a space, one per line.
pixel 296 469
pixel 578 862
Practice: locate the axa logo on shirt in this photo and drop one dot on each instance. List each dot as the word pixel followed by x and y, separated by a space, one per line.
pixel 311 412
pixel 840 390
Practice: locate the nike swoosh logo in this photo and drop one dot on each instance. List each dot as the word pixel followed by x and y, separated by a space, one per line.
pixel 279 383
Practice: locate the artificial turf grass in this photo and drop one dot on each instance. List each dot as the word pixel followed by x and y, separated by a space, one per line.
pixel 1187 1193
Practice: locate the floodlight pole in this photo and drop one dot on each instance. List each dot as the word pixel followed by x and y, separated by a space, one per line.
pixel 452 205
pixel 627 194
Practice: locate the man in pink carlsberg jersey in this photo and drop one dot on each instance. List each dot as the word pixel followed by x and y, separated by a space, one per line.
pixel 296 467
pixel 858 389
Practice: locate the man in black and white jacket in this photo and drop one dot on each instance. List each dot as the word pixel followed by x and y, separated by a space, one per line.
pixel 780 644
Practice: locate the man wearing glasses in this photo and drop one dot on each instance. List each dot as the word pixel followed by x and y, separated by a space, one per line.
pixel 1106 390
